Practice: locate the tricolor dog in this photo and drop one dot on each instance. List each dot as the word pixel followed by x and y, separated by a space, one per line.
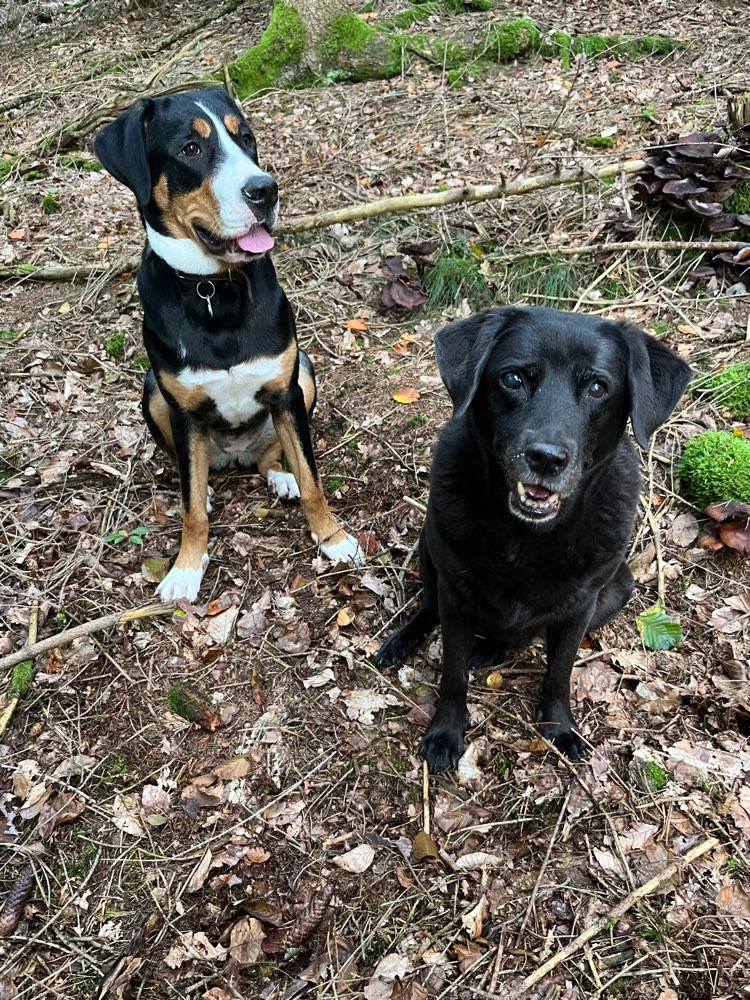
pixel 227 383
pixel 533 494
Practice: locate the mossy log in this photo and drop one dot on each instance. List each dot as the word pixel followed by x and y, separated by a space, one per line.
pixel 348 48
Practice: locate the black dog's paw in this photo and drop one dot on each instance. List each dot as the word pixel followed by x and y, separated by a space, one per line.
pixel 443 744
pixel 556 725
pixel 397 647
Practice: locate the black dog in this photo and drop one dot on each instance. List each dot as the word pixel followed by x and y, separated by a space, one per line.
pixel 227 382
pixel 533 496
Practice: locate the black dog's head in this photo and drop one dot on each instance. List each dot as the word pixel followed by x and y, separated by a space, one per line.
pixel 191 161
pixel 551 393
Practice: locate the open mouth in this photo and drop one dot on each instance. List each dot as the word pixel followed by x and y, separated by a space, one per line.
pixel 533 502
pixel 256 241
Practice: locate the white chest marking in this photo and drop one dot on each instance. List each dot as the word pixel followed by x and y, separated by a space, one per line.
pixel 233 390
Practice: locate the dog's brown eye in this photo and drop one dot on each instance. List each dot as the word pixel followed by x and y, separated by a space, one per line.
pixel 597 390
pixel 511 380
pixel 247 140
pixel 191 149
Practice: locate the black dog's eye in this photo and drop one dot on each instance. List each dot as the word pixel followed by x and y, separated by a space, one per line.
pixel 191 149
pixel 597 390
pixel 511 380
pixel 247 140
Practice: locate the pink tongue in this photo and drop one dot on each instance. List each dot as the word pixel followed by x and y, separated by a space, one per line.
pixel 537 492
pixel 258 240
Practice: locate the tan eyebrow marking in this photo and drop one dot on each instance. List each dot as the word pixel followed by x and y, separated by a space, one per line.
pixel 201 126
pixel 232 123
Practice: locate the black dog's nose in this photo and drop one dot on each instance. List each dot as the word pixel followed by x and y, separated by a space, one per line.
pixel 261 192
pixel 546 459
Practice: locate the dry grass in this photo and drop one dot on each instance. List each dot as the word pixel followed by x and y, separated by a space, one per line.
pixel 669 731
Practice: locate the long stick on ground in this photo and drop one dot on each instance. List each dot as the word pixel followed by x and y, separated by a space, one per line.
pixel 468 193
pixel 367 210
pixel 85 628
pixel 614 914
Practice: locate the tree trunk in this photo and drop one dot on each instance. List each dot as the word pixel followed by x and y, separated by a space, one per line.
pixel 317 17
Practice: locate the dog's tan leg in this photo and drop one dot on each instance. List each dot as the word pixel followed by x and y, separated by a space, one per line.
pixel 293 432
pixel 192 450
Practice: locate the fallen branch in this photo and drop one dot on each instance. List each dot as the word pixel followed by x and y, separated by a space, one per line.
pixel 624 246
pixel 468 193
pixel 66 272
pixel 85 628
pixel 430 199
pixel 640 892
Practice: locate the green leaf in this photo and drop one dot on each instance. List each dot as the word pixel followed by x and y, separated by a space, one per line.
pixel 116 537
pixel 658 630
pixel 155 569
pixel 139 531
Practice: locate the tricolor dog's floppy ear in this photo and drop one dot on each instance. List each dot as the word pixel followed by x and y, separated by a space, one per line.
pixel 657 378
pixel 121 148
pixel 463 349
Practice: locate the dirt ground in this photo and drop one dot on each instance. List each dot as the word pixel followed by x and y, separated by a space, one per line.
pixel 272 853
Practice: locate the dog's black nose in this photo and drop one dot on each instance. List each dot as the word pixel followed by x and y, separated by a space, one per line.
pixel 261 192
pixel 546 459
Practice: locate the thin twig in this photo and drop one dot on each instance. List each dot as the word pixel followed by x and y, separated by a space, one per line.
pixel 31 650
pixel 640 892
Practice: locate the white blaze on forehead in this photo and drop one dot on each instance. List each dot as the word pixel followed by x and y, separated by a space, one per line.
pixel 236 168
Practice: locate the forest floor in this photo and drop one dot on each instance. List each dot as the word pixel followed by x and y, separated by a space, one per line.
pixel 172 860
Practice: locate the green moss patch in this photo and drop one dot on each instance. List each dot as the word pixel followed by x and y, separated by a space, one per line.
pixel 715 467
pixel 280 48
pixel 21 678
pixel 739 200
pixel 729 388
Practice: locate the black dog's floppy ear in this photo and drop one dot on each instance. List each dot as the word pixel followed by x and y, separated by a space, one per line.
pixel 657 378
pixel 121 148
pixel 463 349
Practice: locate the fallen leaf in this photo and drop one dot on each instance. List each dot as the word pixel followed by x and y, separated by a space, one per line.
pixel 473 920
pixel 235 767
pixel 470 774
pixel 64 308
pixel 476 860
pixel 154 570
pixel 406 394
pixel 16 234
pixel 126 815
pixel 357 860
pixel 318 680
pixel 200 872
pixel 684 530
pixel 245 940
pixel 424 847
pixel 221 626
pixel 357 324
pixel 734 900
pixel 62 809
pixel 344 617
pixel 494 680
pixel 193 946
pixel 467 955
pixel 362 703
pixel 222 603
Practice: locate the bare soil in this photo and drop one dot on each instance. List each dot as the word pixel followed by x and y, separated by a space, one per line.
pixel 172 860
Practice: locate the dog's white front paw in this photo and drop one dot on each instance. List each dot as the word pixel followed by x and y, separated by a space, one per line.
pixel 347 549
pixel 182 583
pixel 283 484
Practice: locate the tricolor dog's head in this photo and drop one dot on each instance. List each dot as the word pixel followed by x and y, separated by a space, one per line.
pixel 550 394
pixel 191 161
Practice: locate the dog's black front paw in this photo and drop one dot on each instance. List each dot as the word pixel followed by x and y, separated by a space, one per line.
pixel 556 725
pixel 443 744
pixel 397 647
